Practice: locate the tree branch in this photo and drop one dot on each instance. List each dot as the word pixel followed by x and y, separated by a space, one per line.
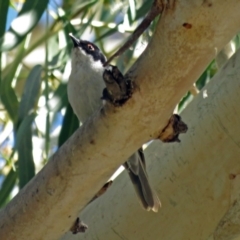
pixel 197 179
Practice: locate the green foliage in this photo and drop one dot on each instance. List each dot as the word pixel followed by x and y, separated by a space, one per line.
pixel 7 187
pixel 69 125
pixel 26 168
pixel 28 16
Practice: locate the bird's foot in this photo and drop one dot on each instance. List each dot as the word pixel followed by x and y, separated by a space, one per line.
pixel 118 88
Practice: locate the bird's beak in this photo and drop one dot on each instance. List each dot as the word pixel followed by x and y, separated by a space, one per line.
pixel 76 42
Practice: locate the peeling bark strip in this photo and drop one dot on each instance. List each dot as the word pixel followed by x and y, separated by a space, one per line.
pixel 171 132
pixel 105 187
pixel 78 227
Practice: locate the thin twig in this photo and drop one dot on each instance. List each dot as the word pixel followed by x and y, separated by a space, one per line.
pixel 156 9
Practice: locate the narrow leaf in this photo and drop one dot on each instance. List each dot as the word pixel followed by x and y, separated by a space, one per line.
pixel 69 125
pixel 26 168
pixel 30 92
pixel 9 99
pixel 7 94
pixel 3 15
pixel 142 11
pixel 7 187
pixel 131 11
pixel 59 99
pixel 3 20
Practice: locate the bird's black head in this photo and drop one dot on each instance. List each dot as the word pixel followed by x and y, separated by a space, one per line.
pixel 89 48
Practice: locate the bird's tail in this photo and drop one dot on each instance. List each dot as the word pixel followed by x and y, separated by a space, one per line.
pixel 137 171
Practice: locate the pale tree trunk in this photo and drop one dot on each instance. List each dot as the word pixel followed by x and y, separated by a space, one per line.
pixel 187 37
pixel 198 180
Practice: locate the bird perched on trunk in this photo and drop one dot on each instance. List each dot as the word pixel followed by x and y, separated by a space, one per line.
pixel 85 89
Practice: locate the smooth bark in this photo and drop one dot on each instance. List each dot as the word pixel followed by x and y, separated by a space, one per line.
pixel 197 180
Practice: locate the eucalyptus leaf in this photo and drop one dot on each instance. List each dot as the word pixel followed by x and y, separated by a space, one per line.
pixel 26 167
pixel 7 186
pixel 59 99
pixel 3 15
pixel 7 93
pixel 31 92
pixel 69 125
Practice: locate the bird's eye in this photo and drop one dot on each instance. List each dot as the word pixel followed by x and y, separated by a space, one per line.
pixel 90 47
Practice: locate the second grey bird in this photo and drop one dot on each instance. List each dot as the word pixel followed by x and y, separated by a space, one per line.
pixel 85 88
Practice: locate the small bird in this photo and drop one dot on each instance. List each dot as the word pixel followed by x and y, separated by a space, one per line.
pixel 85 89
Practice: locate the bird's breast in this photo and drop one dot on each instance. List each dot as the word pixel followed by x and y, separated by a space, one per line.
pixel 85 92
